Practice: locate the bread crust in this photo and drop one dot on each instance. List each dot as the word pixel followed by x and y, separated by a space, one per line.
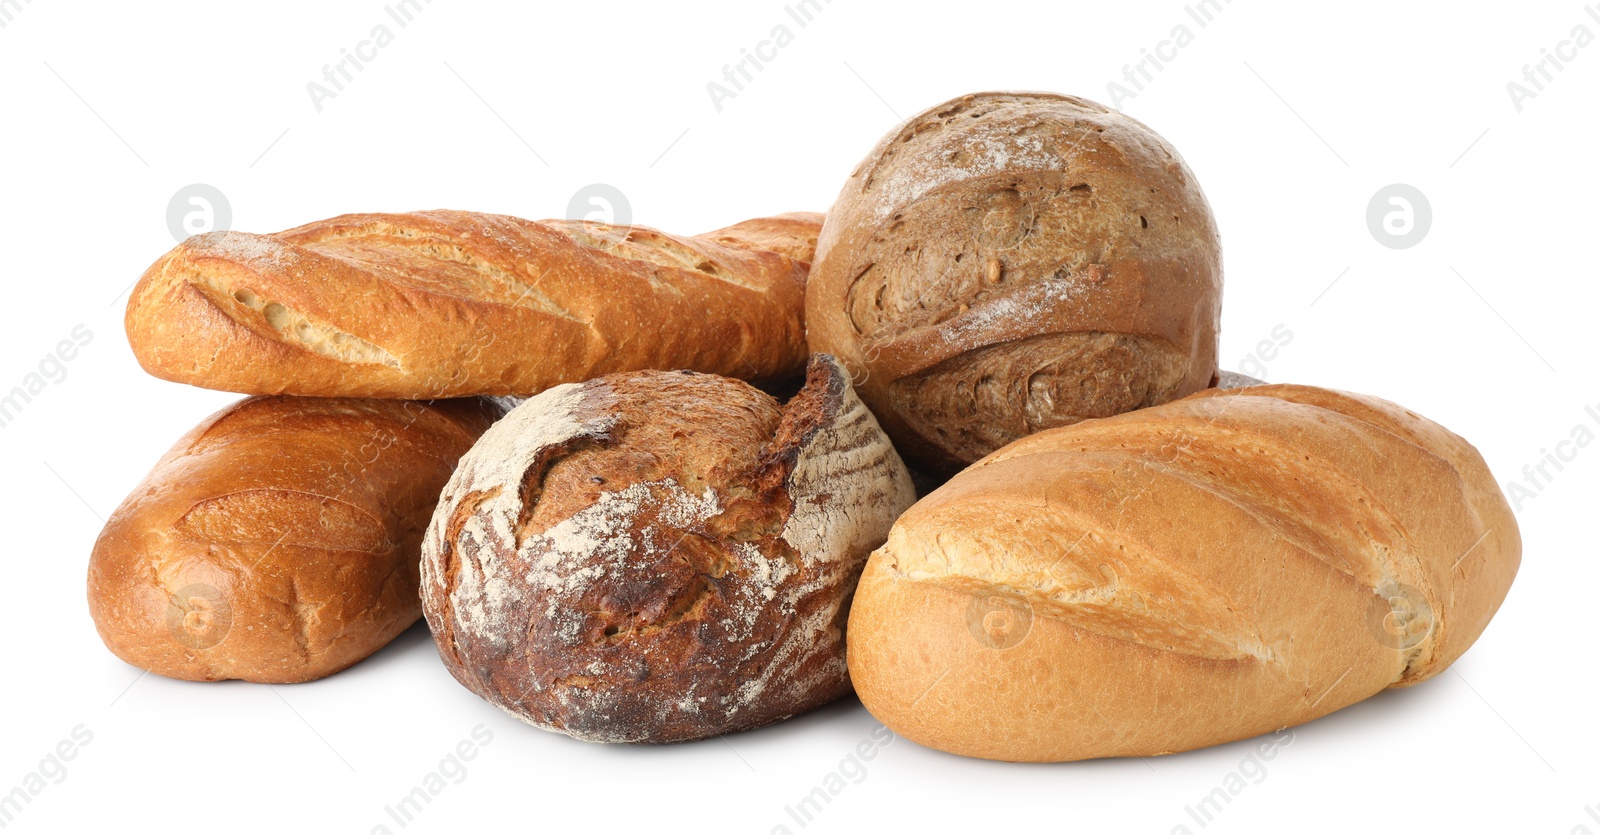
pixel 1212 569
pixel 792 235
pixel 1009 262
pixel 660 556
pixel 448 304
pixel 278 541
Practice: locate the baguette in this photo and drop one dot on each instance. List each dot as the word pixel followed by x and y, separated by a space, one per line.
pixel 448 304
pixel 1204 571
pixel 279 540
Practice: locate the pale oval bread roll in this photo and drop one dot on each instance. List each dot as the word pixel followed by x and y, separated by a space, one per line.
pixel 1208 570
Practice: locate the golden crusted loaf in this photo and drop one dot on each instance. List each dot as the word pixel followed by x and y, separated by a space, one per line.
pixel 1215 568
pixel 1009 262
pixel 446 304
pixel 661 556
pixel 278 541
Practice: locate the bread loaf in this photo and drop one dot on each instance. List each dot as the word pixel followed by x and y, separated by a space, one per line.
pixel 1009 262
pixel 448 304
pixel 1208 570
pixel 278 541
pixel 661 556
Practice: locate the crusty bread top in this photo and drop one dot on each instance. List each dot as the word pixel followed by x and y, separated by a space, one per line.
pixel 793 234
pixel 1380 495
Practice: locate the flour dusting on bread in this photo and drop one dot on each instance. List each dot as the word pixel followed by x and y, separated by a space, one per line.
pixel 846 487
pixel 647 585
pixel 496 466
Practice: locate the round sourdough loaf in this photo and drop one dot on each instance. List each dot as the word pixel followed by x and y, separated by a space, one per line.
pixel 1009 262
pixel 1208 570
pixel 661 556
pixel 278 541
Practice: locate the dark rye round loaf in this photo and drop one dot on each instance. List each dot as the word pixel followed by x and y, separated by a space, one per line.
pixel 661 556
pixel 1005 263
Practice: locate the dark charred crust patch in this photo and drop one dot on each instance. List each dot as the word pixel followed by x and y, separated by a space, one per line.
pixel 815 408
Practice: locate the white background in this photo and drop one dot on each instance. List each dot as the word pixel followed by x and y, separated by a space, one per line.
pixel 1292 114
